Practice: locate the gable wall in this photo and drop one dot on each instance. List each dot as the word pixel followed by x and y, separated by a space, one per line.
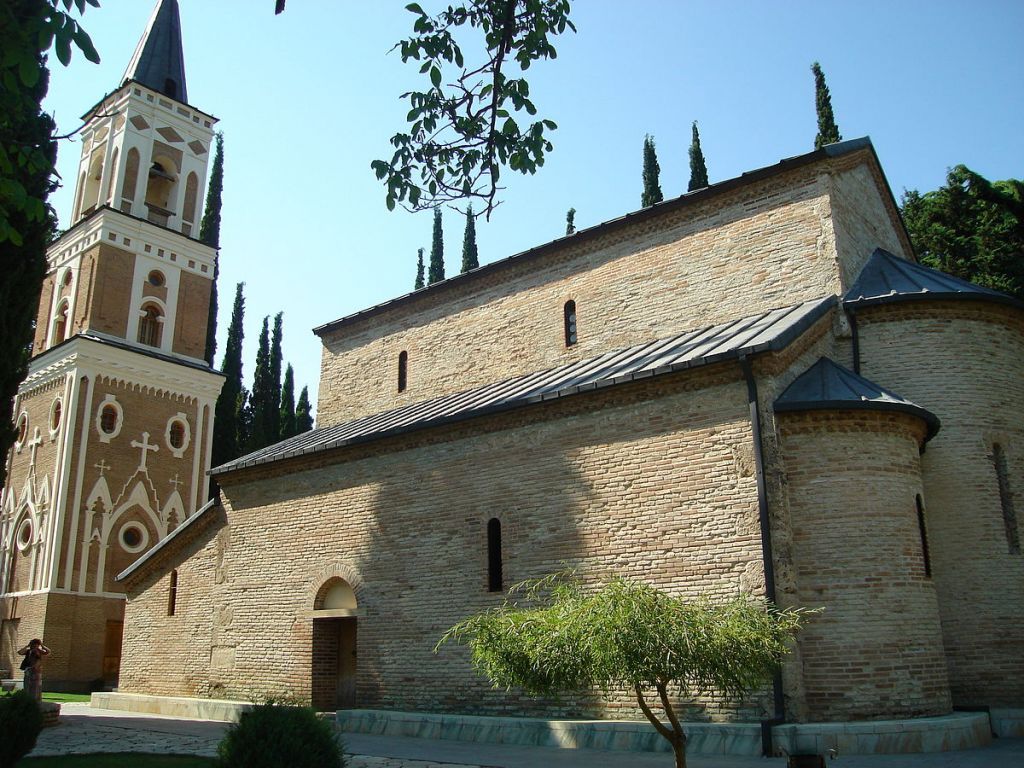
pixel 766 245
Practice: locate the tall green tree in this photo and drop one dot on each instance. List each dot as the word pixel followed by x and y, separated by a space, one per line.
pixel 470 257
pixel 261 395
pixel 698 168
pixel 209 233
pixel 436 272
pixel 419 271
pixel 971 228
pixel 273 408
pixel 244 418
pixel 652 186
pixel 27 155
pixel 303 413
pixel 570 221
pixel 464 128
pixel 828 131
pixel 288 404
pixel 227 441
pixel 628 635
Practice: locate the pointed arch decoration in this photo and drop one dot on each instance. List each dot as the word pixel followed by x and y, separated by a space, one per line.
pixel 173 514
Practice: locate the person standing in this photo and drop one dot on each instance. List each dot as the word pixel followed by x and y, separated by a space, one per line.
pixel 32 665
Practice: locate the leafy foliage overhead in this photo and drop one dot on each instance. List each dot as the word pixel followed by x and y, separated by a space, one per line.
pixel 627 635
pixel 971 228
pixel 463 127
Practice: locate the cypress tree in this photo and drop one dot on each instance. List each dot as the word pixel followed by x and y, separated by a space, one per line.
pixel 209 233
pixel 244 417
pixel 273 409
pixel 570 221
pixel 828 131
pixel 226 443
pixel 260 395
pixel 288 404
pixel 698 169
pixel 419 271
pixel 470 257
pixel 303 416
pixel 436 273
pixel 652 187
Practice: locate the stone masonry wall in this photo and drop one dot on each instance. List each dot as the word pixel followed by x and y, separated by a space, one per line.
pixel 765 245
pixel 964 361
pixel 876 649
pixel 111 272
pixel 652 481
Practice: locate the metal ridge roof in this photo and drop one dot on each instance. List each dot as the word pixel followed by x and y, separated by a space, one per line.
pixel 158 61
pixel 886 278
pixel 690 198
pixel 826 385
pixel 767 331
pixel 128 346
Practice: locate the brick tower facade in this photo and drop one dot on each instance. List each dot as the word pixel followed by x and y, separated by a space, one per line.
pixel 115 418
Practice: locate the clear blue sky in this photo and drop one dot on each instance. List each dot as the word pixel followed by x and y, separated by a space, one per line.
pixel 307 99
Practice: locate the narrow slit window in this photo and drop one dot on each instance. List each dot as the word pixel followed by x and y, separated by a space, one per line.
pixel 1006 499
pixel 494 575
pixel 403 370
pixel 924 537
pixel 570 323
pixel 172 595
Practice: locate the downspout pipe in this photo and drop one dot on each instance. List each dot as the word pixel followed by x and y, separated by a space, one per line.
pixel 766 546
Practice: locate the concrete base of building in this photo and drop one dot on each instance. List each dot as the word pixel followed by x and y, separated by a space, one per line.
pixel 1007 722
pixel 928 734
pixel 172 706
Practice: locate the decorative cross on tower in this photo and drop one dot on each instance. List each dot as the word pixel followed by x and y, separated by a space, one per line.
pixel 176 482
pixel 146 447
pixel 102 467
pixel 34 444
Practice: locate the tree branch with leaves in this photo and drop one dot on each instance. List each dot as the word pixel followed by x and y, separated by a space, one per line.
pixel 463 127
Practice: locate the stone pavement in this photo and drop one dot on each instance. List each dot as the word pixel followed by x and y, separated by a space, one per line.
pixel 84 729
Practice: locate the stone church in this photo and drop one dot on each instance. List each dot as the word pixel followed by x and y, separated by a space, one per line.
pixel 114 422
pixel 752 388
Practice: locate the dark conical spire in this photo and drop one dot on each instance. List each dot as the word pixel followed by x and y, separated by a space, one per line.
pixel 158 62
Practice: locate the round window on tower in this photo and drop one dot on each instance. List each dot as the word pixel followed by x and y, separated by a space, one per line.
pixel 109 419
pixel 22 428
pixel 66 283
pixel 134 537
pixel 24 538
pixel 55 414
pixel 156 278
pixel 176 435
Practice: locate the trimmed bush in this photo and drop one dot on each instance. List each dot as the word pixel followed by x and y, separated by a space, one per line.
pixel 20 724
pixel 273 735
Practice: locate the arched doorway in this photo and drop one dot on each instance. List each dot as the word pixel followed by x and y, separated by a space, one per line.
pixel 333 678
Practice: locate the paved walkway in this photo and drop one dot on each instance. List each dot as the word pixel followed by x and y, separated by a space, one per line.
pixel 84 729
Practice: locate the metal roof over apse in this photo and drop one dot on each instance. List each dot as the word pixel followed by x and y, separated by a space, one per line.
pixel 888 278
pixel 826 385
pixel 158 59
pixel 766 331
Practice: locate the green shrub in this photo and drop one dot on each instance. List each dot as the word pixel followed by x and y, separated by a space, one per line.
pixel 272 735
pixel 20 724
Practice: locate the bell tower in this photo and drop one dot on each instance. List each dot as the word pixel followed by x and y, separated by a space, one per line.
pixel 115 419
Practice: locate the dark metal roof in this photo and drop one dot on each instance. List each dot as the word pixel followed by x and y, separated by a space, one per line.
pixel 696 197
pixel 158 61
pixel 887 278
pixel 766 331
pixel 139 348
pixel 178 533
pixel 826 385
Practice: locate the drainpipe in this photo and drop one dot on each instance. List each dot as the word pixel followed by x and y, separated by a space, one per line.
pixel 766 547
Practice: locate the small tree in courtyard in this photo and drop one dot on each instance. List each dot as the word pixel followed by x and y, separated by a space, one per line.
pixel 627 635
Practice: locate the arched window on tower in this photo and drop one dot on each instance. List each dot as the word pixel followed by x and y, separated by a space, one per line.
pixel 150 325
pixel 109 199
pixel 131 177
pixel 91 197
pixel 60 323
pixel 189 212
pixel 569 313
pixel 926 556
pixel 403 370
pixel 161 189
pixel 494 564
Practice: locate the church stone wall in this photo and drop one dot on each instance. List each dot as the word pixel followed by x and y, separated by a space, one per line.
pixel 653 481
pixel 875 651
pixel 765 245
pixel 964 361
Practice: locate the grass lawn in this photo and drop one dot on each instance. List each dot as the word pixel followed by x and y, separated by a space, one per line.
pixel 65 697
pixel 120 760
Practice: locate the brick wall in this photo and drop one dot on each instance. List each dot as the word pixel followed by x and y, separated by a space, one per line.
pixel 110 292
pixel 654 481
pixel 192 315
pixel 875 651
pixel 964 361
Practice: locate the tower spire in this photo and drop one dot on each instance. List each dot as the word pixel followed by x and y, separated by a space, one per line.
pixel 158 62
